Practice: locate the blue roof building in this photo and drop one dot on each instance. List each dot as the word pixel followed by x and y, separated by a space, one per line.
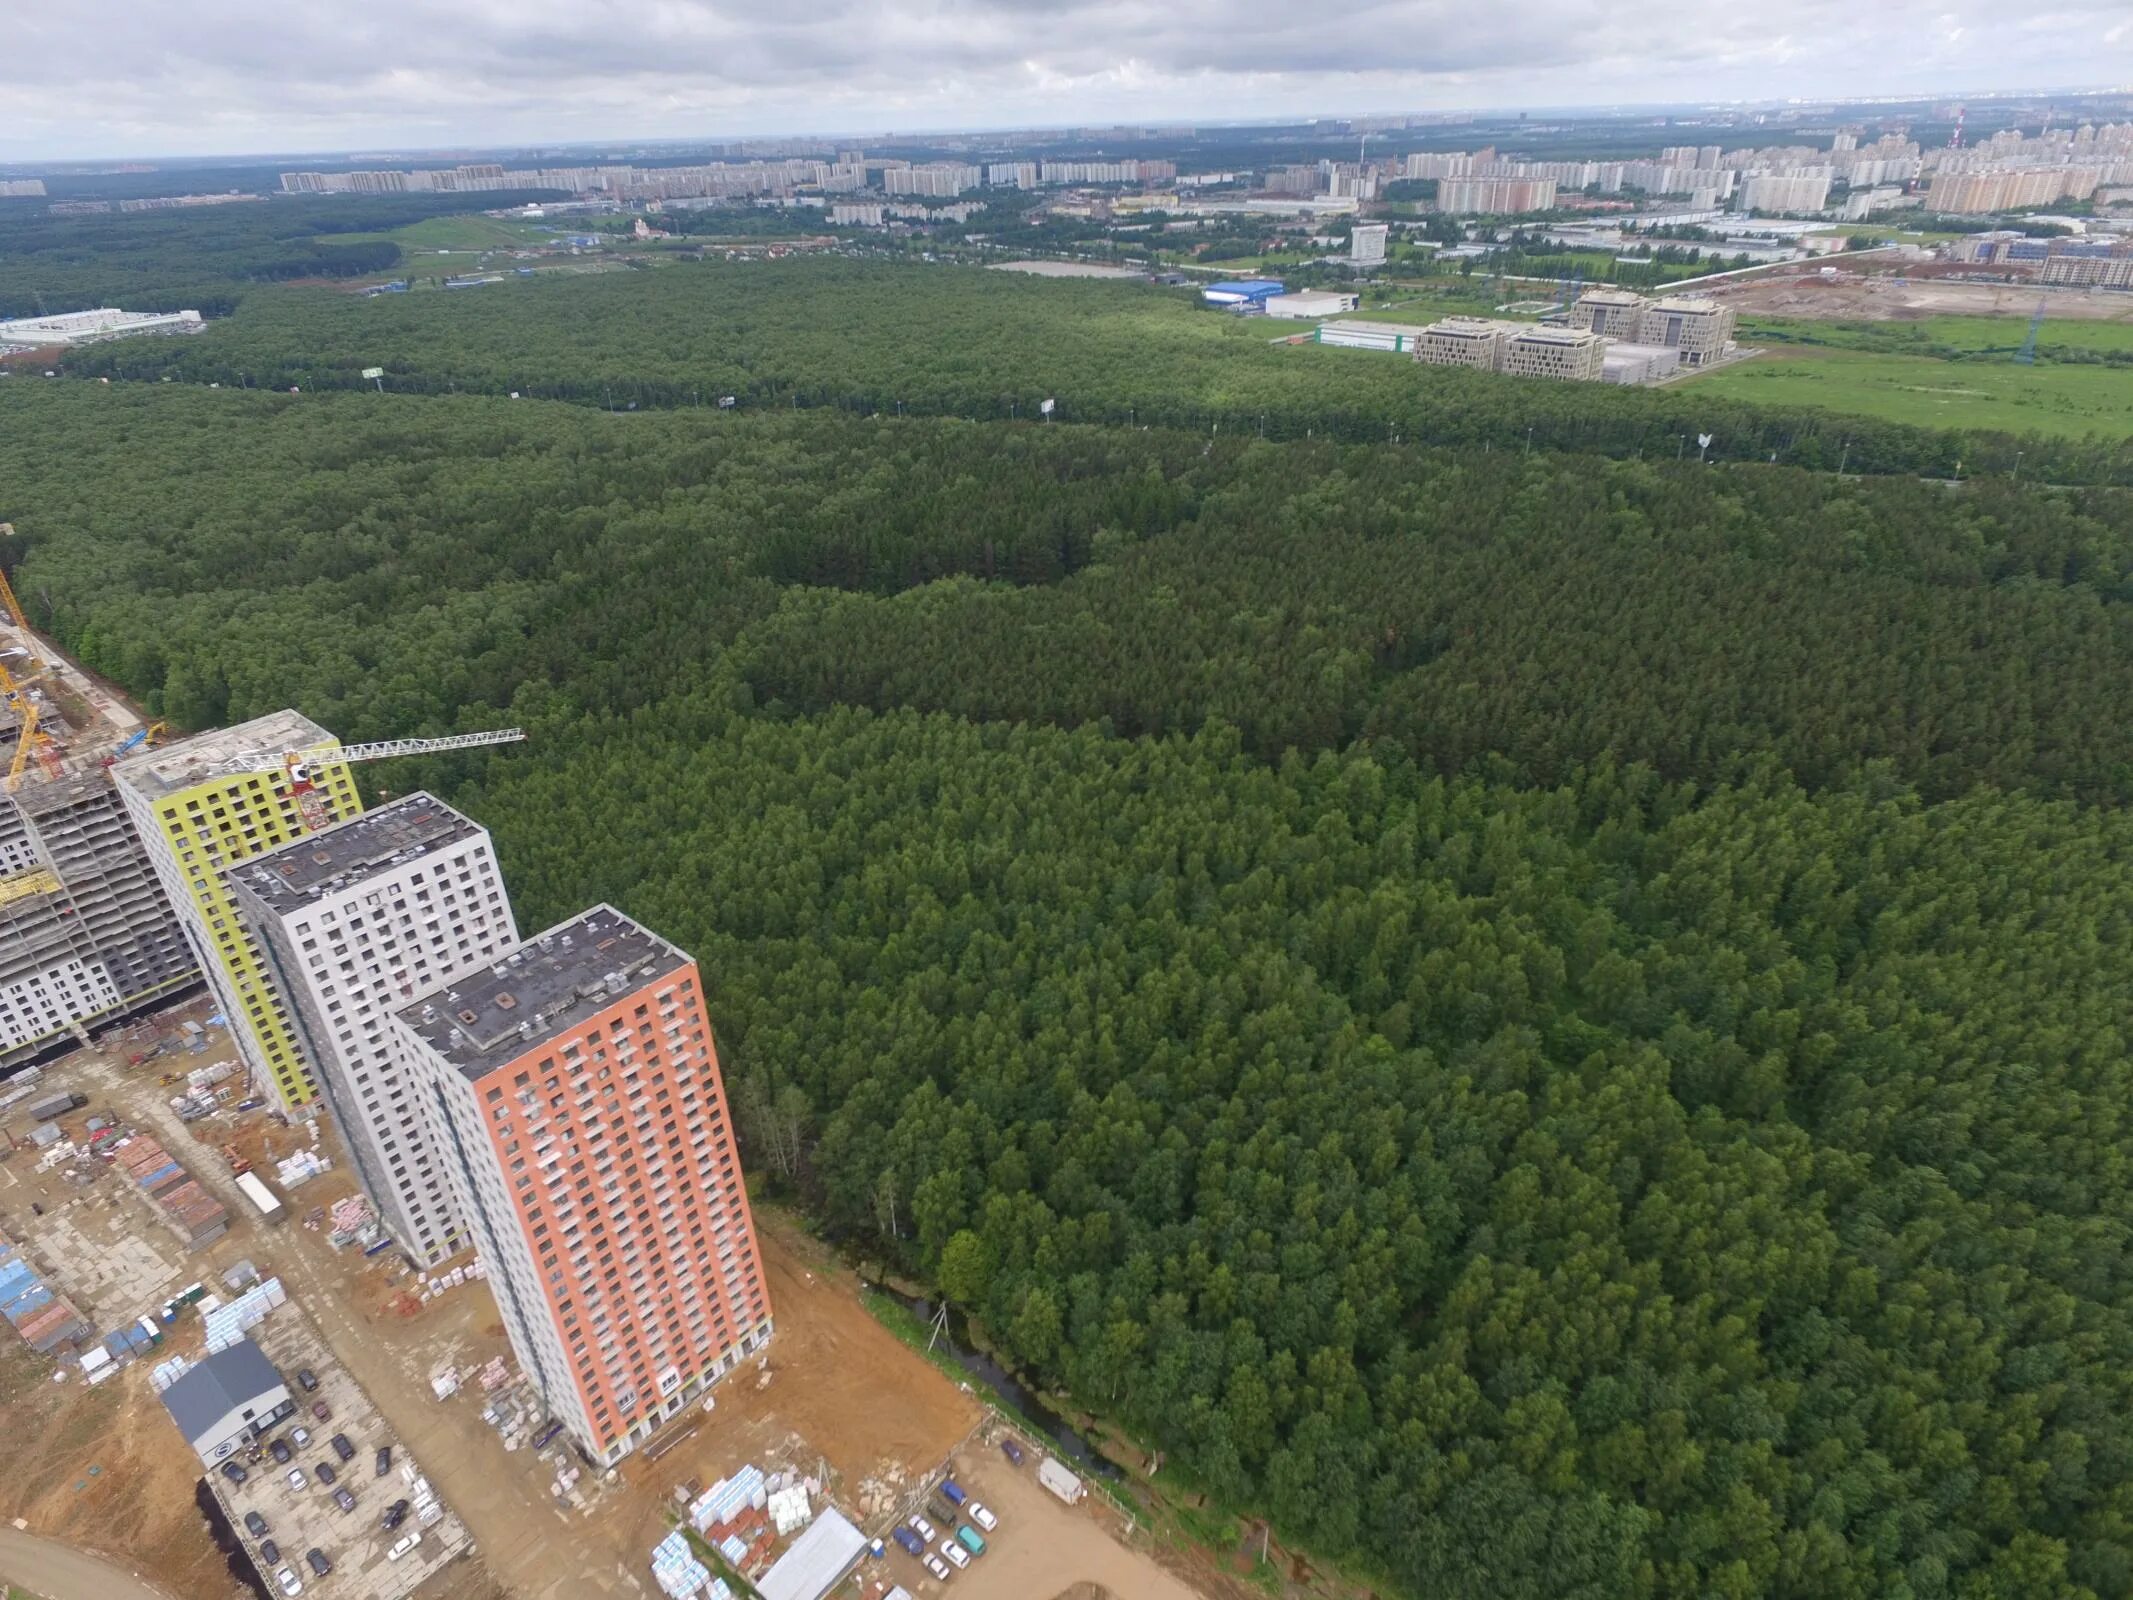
pixel 1243 292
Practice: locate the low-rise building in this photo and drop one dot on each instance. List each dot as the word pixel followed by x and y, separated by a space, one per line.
pixel 1540 351
pixel 1310 304
pixel 227 1400
pixel 1631 364
pixel 1701 329
pixel 1463 342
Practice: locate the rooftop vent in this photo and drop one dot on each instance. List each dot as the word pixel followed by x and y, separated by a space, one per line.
pixel 505 1000
pixel 470 1017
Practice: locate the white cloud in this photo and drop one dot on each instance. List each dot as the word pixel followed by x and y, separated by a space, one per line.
pixel 123 76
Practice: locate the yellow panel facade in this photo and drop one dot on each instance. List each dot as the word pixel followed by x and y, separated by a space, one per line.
pixel 216 824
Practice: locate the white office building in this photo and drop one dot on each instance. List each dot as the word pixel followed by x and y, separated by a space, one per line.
pixel 357 921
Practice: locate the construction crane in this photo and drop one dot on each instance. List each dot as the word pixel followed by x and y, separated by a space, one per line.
pixel 2027 355
pixel 296 765
pixel 1955 138
pixel 139 736
pixel 14 606
pixel 30 739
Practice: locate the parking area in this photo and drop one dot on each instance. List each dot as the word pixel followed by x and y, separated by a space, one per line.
pixel 300 1517
pixel 1038 1546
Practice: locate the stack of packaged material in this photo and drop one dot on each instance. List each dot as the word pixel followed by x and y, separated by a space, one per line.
pixel 228 1324
pixel 676 1570
pixel 724 1503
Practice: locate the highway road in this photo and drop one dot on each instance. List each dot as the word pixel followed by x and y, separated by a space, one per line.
pixel 56 1572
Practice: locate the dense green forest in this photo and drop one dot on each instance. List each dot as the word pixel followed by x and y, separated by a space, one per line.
pixel 964 341
pixel 206 258
pixel 1556 1025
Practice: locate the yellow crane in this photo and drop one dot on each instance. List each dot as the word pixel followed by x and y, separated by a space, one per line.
pixel 14 606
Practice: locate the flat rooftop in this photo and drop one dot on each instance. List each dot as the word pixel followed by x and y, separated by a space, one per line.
pixel 180 765
pixel 304 871
pixel 543 988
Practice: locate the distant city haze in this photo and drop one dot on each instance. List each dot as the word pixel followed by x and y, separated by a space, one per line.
pixel 129 78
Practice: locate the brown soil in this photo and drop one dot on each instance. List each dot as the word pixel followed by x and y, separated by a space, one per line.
pixel 1885 297
pixel 844 1395
pixel 104 1472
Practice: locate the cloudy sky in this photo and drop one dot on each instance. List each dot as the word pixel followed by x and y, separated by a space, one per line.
pixel 152 77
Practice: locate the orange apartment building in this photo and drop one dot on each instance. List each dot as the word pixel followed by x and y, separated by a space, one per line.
pixel 576 1095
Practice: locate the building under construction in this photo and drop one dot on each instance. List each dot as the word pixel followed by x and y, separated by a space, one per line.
pixel 86 933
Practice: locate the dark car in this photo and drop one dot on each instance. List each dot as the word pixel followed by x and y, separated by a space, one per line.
pixel 912 1543
pixel 256 1523
pixel 323 1472
pixel 319 1563
pixel 307 1379
pixel 954 1494
pixel 385 1459
pixel 343 1499
pixel 940 1511
pixel 1012 1450
pixel 541 1439
pixel 269 1552
pixel 395 1514
pixel 280 1450
pixel 341 1447
pixel 232 1471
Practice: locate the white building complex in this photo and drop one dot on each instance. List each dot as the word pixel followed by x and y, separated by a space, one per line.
pixel 355 922
pixel 90 327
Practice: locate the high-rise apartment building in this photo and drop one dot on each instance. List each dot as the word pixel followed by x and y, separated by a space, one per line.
pixel 576 1092
pixel 197 817
pixel 355 922
pixel 86 931
pixel 1366 245
pixel 1501 197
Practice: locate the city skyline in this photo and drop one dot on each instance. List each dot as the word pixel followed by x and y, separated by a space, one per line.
pixel 298 78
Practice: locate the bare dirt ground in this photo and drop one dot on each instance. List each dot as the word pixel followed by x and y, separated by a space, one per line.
pixel 1885 297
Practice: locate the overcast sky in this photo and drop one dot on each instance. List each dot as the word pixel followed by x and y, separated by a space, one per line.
pixel 151 77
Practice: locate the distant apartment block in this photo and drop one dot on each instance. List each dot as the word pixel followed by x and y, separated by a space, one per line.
pixel 942 179
pixel 1012 174
pixel 577 1096
pixel 1796 190
pixel 2012 189
pixel 1495 197
pixel 201 806
pixel 355 922
pixel 22 188
pixel 857 214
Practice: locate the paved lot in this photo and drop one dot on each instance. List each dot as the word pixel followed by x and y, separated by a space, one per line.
pixel 1041 1547
pixel 299 1520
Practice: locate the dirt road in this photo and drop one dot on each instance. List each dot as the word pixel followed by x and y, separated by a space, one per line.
pixel 59 1573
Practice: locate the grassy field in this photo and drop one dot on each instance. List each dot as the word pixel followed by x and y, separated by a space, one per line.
pixel 1949 336
pixel 1927 390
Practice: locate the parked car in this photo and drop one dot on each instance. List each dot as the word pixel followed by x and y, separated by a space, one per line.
pixel 983 1518
pixel 541 1439
pixel 973 1541
pixel 280 1451
pixel 341 1447
pixel 307 1378
pixel 325 1473
pixel 343 1499
pixel 322 1411
pixel 234 1472
pixel 290 1583
pixel 940 1512
pixel 909 1540
pixel 319 1563
pixel 952 1492
pixel 1012 1449
pixel 395 1514
pixel 297 1480
pixel 299 1436
pixel 385 1459
pixel 255 1524
pixel 938 1567
pixel 955 1553
pixel 405 1545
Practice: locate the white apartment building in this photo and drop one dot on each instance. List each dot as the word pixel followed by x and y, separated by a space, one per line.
pixel 1795 190
pixel 356 921
pixel 942 179
pixel 1366 245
